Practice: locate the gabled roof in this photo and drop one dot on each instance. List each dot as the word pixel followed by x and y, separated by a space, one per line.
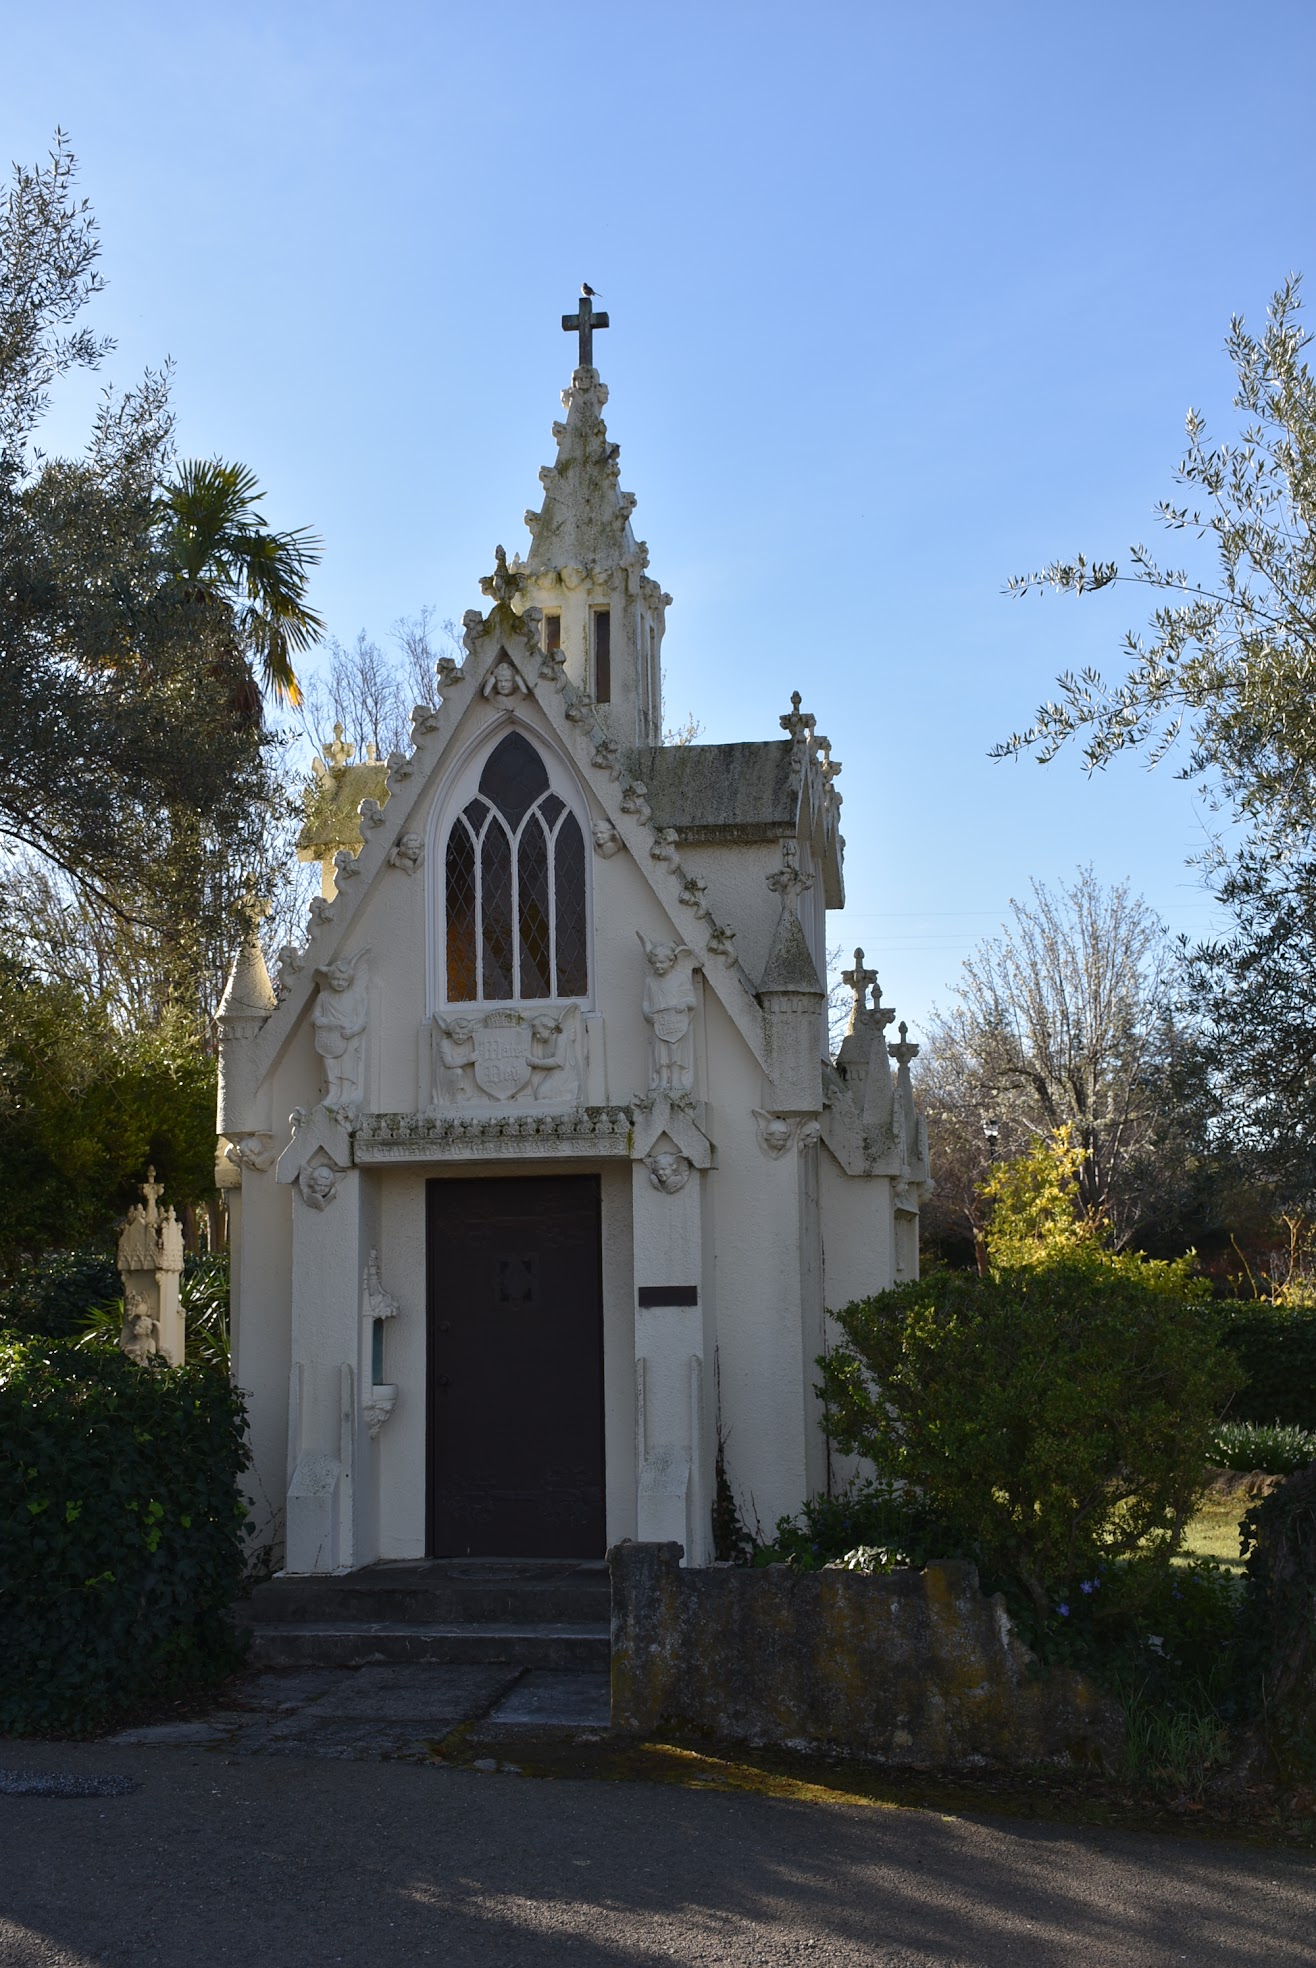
pixel 500 638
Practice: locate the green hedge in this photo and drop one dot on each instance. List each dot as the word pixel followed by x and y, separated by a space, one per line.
pixel 1276 1348
pixel 51 1297
pixel 121 1532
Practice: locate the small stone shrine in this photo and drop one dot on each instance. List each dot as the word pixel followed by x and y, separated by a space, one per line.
pixel 150 1261
pixel 539 1171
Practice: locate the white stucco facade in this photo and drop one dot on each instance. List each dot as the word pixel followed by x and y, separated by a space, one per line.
pixel 643 1009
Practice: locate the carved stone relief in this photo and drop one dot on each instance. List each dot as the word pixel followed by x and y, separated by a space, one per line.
pixel 504 680
pixel 407 853
pixel 141 1333
pixel 318 1184
pixel 669 1007
pixel 607 841
pixel 775 1131
pixel 251 1151
pixel 339 1022
pixel 506 1058
pixel 668 1171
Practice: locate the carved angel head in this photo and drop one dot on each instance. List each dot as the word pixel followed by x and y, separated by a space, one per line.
pixel 662 957
pixel 668 1171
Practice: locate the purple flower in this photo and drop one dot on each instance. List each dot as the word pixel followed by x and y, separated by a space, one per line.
pixel 1088 1585
pixel 1063 1612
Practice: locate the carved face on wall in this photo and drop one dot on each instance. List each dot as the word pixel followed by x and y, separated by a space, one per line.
pixel 504 680
pixel 776 1134
pixel 662 958
pixel 318 1185
pixel 668 1172
pixel 338 976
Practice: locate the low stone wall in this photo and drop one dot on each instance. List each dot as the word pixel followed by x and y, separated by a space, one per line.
pixel 906 1667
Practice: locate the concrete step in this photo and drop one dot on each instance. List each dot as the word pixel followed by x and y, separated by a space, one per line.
pixel 441 1592
pixel 581 1647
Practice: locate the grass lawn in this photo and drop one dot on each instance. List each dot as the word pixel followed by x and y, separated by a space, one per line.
pixel 1213 1532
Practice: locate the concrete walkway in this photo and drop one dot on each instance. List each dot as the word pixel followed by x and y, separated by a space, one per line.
pixel 293 1827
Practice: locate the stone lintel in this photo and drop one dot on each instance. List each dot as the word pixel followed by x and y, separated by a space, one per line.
pixel 584 1133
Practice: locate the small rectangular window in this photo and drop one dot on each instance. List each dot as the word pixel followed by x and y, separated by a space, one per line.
pixel 602 655
pixel 552 632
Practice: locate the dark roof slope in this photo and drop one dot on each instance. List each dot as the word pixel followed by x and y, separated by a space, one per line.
pixel 720 792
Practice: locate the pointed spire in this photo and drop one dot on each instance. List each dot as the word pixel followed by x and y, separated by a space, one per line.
pixel 790 968
pixel 249 993
pixel 584 522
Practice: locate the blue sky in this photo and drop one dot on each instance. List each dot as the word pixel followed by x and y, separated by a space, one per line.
pixel 905 300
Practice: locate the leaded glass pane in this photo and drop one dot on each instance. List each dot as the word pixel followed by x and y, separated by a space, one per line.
pixel 496 906
pixel 536 931
pixel 475 811
pixel 514 778
pixel 550 806
pixel 569 887
pixel 460 898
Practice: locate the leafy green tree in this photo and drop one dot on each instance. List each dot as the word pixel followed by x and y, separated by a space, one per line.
pixel 1227 664
pixel 1037 1218
pixel 222 554
pixel 116 700
pixel 85 1105
pixel 1232 645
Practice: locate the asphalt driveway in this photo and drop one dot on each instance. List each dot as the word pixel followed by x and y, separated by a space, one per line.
pixel 298 1827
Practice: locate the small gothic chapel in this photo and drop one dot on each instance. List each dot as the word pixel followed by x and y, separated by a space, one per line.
pixel 540 1173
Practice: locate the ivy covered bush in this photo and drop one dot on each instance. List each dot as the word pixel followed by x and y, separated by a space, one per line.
pixel 121 1532
pixel 1057 1415
pixel 52 1296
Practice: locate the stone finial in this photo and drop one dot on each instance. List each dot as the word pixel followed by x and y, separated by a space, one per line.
pixel 339 752
pixel 859 981
pixel 903 1052
pixel 152 1190
pixel 788 881
pixel 504 582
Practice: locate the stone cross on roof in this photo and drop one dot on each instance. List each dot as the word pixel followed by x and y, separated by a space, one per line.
pixel 152 1190
pixel 859 980
pixel 583 323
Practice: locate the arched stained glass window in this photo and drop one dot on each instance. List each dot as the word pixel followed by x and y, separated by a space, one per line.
pixel 514 886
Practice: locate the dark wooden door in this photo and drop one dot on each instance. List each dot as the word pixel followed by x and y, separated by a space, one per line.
pixel 515 1368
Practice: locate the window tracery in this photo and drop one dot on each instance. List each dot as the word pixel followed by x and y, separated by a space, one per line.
pixel 515 915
